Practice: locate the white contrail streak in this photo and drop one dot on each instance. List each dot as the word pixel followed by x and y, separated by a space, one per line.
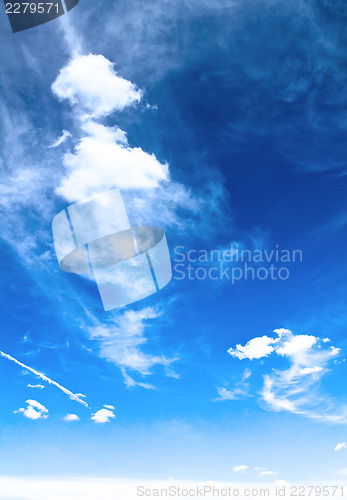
pixel 46 379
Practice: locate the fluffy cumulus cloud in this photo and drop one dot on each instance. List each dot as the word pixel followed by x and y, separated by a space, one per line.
pixel 103 160
pixel 122 343
pixel 297 387
pixel 257 348
pixel 34 410
pixel 71 417
pixel 103 416
pixel 340 446
pixel 92 82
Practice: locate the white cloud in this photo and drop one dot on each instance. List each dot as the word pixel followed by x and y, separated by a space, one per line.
pixel 37 405
pixel 233 394
pixel 36 386
pixel 46 379
pixel 240 390
pixel 109 407
pixel 92 82
pixel 256 348
pixel 104 160
pixel 297 388
pixel 297 345
pixel 65 135
pixel 103 416
pixel 34 410
pixel 340 446
pixel 130 382
pixel 268 473
pixel 12 189
pixel 308 371
pixel 122 343
pixel 71 417
pixel 240 468
pixel 263 471
pixel 31 413
pixel 282 331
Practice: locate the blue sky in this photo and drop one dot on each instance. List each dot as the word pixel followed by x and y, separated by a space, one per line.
pixel 243 107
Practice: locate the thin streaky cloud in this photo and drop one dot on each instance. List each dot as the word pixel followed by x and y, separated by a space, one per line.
pixel 65 135
pixel 268 473
pixel 46 379
pixel 233 394
pixel 240 468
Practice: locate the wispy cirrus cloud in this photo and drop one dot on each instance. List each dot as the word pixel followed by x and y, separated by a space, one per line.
pixel 109 407
pixel 238 391
pixel 274 70
pixel 130 382
pixel 64 136
pixel 122 343
pixel 266 472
